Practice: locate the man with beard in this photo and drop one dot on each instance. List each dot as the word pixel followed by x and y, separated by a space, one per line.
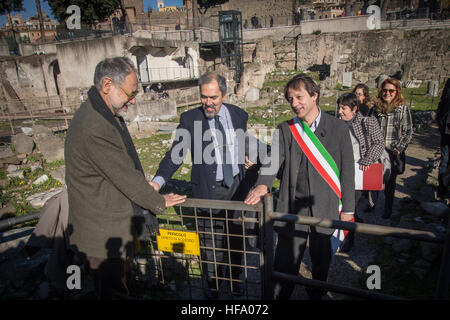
pixel 213 133
pixel 107 189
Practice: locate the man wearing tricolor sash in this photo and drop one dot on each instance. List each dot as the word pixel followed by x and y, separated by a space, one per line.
pixel 316 179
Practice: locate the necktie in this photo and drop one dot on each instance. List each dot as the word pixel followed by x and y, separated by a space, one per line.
pixel 227 169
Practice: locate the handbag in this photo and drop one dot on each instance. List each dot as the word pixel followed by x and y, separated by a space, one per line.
pixel 386 161
pixel 399 162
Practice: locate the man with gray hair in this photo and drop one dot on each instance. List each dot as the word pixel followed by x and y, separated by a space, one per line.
pixel 215 135
pixel 107 189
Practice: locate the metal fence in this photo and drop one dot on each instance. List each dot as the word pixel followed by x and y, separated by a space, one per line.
pixel 251 252
pixel 230 263
pixel 376 230
pixel 252 227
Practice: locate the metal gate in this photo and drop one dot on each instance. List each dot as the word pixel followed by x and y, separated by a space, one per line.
pixel 230 264
pixel 242 239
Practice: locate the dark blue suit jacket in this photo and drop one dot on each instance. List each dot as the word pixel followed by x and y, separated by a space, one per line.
pixel 203 175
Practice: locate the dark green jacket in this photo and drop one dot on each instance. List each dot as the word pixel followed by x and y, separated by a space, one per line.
pixel 101 182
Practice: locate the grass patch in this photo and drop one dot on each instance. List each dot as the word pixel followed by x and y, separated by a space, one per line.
pixel 19 189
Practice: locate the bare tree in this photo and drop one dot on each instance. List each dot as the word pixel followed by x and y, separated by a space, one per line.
pixel 41 20
pixel 384 7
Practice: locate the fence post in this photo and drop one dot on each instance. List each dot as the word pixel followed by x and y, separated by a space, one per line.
pixel 443 282
pixel 268 293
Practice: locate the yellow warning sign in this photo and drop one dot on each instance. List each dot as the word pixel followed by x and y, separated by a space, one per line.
pixel 178 241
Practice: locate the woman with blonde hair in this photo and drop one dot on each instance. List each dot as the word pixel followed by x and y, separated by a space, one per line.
pixel 396 125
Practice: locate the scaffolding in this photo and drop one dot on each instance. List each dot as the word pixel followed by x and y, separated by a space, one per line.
pixel 230 38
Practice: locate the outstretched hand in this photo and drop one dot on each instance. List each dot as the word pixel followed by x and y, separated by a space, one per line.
pixel 256 195
pixel 174 199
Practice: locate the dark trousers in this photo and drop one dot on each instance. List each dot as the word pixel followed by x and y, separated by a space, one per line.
pixel 215 236
pixel 350 238
pixel 109 276
pixel 389 189
pixel 289 255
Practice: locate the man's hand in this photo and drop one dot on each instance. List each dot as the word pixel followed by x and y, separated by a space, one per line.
pixel 396 151
pixel 347 217
pixel 174 199
pixel 155 186
pixel 256 195
pixel 248 163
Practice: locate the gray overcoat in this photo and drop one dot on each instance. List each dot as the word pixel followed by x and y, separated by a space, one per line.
pixel 334 135
pixel 101 182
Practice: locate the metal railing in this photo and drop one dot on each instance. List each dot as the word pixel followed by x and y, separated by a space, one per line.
pixel 186 273
pixel 42 108
pixel 376 230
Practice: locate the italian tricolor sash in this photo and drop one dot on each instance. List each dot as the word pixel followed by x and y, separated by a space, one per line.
pixel 317 155
pixel 324 164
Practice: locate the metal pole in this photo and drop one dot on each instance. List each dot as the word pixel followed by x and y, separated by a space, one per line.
pixel 273 109
pixel 268 293
pixel 361 227
pixel 444 273
pixel 5 224
pixel 335 288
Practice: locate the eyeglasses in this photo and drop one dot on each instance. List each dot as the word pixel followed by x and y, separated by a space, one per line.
pixel 130 96
pixel 391 91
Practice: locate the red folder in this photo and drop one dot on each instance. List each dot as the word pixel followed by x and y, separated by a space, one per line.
pixel 371 179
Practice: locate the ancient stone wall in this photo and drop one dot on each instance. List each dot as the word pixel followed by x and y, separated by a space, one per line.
pixel 28 83
pixel 418 54
pixel 263 9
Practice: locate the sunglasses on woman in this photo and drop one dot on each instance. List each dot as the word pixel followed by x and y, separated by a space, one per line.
pixel 391 91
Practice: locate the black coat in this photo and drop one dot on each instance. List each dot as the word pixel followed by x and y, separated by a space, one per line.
pixel 189 136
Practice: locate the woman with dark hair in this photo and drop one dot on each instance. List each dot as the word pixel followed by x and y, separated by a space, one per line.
pixel 367 141
pixel 396 125
pixel 362 93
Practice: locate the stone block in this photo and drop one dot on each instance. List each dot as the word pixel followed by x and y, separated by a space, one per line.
pixel 51 147
pixel 437 209
pixel 22 143
pixel 6 153
pixel 252 94
pixel 41 131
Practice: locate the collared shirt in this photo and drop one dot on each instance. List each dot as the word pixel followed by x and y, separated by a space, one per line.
pixel 225 120
pixel 316 122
